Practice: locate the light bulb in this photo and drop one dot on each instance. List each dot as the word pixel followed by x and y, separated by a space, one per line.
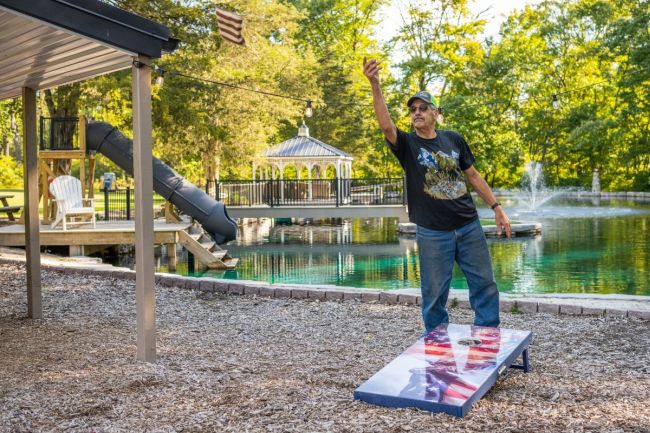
pixel 160 79
pixel 308 110
pixel 556 102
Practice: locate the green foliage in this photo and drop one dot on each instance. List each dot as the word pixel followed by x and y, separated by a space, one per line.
pixel 11 172
pixel 593 54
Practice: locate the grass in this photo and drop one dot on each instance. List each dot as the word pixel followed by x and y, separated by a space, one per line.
pixel 18 198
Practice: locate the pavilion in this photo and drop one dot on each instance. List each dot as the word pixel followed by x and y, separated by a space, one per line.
pixel 303 151
pixel 49 43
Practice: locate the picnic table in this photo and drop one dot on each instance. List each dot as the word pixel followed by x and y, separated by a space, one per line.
pixel 6 208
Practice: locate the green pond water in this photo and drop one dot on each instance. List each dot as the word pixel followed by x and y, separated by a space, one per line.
pixel 585 247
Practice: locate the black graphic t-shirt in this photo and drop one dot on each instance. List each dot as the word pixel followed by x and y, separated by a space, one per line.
pixel 436 191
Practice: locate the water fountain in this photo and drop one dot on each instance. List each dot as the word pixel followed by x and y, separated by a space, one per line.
pixel 537 201
pixel 534 192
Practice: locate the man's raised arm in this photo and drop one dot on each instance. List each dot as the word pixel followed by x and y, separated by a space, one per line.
pixel 371 71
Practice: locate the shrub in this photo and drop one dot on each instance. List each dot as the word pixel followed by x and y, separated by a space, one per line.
pixel 11 173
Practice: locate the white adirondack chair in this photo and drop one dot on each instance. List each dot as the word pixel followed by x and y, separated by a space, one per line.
pixel 71 207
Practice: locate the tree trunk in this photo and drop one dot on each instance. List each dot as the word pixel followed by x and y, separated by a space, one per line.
pixel 64 103
pixel 212 161
pixel 18 149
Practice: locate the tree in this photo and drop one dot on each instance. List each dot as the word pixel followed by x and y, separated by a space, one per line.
pixel 340 34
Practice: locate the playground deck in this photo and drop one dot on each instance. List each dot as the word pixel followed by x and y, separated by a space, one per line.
pixel 106 233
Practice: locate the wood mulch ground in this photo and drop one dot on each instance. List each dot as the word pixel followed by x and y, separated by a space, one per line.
pixel 248 364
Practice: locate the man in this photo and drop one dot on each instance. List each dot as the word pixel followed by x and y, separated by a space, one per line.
pixel 437 163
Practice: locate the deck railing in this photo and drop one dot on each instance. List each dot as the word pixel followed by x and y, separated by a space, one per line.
pixel 119 204
pixel 316 192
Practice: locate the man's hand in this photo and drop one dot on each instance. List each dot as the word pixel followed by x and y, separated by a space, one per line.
pixel 502 221
pixel 371 70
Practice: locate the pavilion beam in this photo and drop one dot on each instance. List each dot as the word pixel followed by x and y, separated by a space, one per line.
pixel 143 176
pixel 32 235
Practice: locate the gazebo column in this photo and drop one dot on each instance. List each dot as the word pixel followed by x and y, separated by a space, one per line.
pixel 143 176
pixel 281 182
pixel 309 190
pixel 339 183
pixel 30 179
pixel 348 175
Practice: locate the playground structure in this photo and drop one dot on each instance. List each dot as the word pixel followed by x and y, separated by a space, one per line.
pixel 65 140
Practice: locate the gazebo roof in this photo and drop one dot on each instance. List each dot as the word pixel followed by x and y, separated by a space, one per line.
pixel 47 43
pixel 304 146
pixel 300 147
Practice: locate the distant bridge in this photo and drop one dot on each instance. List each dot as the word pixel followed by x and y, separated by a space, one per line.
pixel 314 198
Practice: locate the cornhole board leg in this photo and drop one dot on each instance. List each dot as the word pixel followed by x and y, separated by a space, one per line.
pixel 525 365
pixel 448 369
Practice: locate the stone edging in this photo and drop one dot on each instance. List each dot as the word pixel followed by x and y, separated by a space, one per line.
pixel 332 293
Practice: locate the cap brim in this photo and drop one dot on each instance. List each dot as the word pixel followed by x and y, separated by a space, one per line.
pixel 413 98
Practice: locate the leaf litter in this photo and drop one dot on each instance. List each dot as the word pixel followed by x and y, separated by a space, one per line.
pixel 253 364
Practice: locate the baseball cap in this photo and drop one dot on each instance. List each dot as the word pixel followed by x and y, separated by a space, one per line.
pixel 423 95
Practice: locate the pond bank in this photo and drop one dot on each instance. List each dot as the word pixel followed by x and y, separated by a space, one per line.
pixel 574 304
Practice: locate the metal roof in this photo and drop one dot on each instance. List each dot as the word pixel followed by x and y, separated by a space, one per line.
pixel 47 43
pixel 304 147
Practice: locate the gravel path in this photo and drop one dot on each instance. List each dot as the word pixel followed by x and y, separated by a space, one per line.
pixel 249 364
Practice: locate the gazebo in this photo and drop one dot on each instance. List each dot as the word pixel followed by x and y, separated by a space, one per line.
pixel 301 152
pixel 48 43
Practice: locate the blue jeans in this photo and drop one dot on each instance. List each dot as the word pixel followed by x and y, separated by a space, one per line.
pixel 467 245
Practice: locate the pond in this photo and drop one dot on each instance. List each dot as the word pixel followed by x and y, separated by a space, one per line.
pixel 585 247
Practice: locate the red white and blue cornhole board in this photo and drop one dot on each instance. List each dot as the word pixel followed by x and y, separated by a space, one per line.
pixel 448 369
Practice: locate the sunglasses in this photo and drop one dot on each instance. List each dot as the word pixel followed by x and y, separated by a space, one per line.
pixel 421 108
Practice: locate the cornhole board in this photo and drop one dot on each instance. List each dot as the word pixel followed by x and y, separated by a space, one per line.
pixel 448 369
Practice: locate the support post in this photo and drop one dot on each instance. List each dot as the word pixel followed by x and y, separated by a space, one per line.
pixel 44 176
pixel 32 235
pixel 82 162
pixel 172 257
pixel 143 175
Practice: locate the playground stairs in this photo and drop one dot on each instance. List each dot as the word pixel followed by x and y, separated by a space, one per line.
pixel 199 243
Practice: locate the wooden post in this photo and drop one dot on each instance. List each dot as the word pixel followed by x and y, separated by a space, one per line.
pixel 82 149
pixel 172 257
pixel 44 177
pixel 143 176
pixel 32 235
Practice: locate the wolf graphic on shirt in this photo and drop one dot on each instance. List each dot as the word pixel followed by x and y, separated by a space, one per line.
pixel 444 179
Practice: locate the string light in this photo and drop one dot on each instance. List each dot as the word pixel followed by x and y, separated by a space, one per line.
pixel 556 102
pixel 309 102
pixel 160 79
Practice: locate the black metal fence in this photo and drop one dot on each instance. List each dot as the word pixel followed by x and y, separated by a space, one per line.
pixel 315 192
pixel 119 204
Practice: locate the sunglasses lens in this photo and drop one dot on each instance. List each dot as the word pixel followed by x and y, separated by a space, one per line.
pixel 421 108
